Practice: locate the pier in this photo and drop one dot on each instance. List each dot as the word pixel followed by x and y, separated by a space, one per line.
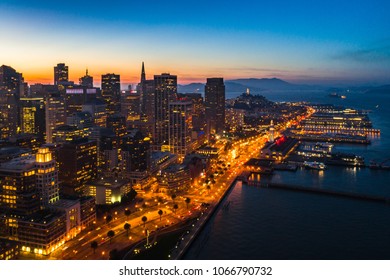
pixel 298 188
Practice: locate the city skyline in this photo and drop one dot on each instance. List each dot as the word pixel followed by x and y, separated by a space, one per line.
pixel 300 42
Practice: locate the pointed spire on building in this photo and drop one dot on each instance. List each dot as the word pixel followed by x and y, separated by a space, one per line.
pixel 143 76
pixel 86 72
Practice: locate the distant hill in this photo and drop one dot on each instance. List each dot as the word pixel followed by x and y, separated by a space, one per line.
pixel 271 84
pixel 255 85
pixel 190 88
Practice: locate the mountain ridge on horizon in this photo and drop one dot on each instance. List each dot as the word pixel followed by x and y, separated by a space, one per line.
pixel 273 84
pixel 254 84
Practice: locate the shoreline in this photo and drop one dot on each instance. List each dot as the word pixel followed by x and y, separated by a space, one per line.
pixel 203 221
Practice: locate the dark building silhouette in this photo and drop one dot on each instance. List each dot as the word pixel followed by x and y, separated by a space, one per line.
pixel 11 89
pixel 137 150
pixel 111 93
pixel 11 81
pixel 32 116
pixel 215 105
pixel 86 80
pixel 77 164
pixel 165 92
pixel 61 74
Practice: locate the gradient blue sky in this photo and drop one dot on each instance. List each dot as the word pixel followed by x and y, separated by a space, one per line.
pixel 315 42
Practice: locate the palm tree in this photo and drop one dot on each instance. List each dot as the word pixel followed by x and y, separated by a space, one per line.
pixel 127 227
pixel 108 218
pixel 94 246
pixel 173 196
pixel 127 213
pixel 110 234
pixel 175 207
pixel 187 200
pixel 144 219
pixel 160 212
pixel 208 188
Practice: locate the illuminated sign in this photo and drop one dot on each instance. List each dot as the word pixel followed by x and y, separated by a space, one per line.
pixel 75 91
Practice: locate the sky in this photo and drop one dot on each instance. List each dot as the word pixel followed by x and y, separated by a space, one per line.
pixel 312 42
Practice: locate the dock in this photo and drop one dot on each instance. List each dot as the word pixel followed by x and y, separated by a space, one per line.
pixel 329 192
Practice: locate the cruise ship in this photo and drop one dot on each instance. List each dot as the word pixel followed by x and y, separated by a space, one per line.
pixel 314 165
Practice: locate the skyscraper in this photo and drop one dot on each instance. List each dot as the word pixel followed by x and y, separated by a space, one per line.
pixel 55 115
pixel 11 81
pixel 180 128
pixel 111 92
pixel 11 89
pixel 77 164
pixel 215 105
pixel 32 116
pixel 165 92
pixel 61 74
pixel 86 80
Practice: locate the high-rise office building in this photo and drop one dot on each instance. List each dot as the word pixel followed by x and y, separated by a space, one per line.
pixel 11 89
pixel 77 164
pixel 198 110
pixel 215 105
pixel 86 80
pixel 77 96
pixel 97 108
pixel 8 115
pixel 11 81
pixel 180 128
pixel 32 116
pixel 111 92
pixel 135 151
pixel 118 125
pixel 47 177
pixel 61 74
pixel 165 92
pixel 55 115
pixel 130 106
pixel 18 192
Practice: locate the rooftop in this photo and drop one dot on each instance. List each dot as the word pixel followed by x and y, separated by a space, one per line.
pixel 108 183
pixel 65 203
pixel 19 164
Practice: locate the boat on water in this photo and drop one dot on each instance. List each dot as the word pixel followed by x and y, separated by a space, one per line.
pixel 314 165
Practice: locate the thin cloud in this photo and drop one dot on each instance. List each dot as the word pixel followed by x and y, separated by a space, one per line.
pixel 375 54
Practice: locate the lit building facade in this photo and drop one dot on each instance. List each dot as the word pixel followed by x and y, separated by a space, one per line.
pixel 97 109
pixel 46 177
pixel 32 116
pixel 76 97
pixel 61 74
pixel 66 133
pixel 130 106
pixel 175 179
pixel 108 191
pixel 55 115
pixel 43 232
pixel 9 250
pixel 180 128
pixel 77 164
